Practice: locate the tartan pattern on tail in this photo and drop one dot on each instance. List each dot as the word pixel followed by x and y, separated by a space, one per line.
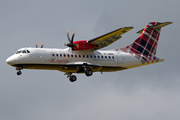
pixel 145 46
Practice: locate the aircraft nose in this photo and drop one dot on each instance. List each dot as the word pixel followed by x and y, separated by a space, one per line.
pixel 10 60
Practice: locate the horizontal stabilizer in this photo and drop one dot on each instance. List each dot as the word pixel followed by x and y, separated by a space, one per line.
pixel 159 25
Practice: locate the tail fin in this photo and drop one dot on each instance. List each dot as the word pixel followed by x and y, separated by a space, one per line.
pixel 146 44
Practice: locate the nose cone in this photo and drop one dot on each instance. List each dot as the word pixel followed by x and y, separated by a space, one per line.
pixel 10 60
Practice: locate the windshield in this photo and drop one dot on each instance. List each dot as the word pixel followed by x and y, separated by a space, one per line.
pixel 18 52
pixel 22 51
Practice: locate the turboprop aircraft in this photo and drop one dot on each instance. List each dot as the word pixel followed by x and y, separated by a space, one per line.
pixel 84 56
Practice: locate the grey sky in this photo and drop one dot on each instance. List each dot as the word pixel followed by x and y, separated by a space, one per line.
pixel 149 92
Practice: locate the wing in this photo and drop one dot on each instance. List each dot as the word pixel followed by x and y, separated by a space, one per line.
pixel 109 38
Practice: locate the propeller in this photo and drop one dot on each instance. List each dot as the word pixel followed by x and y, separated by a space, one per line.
pixel 41 45
pixel 70 44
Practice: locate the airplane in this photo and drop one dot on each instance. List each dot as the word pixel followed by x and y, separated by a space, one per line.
pixel 84 56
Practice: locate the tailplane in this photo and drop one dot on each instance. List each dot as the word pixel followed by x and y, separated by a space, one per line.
pixel 146 44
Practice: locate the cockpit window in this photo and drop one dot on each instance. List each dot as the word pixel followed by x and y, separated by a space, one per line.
pixel 23 51
pixel 18 52
pixel 28 51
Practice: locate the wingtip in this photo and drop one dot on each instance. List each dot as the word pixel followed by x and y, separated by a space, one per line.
pixel 131 27
pixel 169 22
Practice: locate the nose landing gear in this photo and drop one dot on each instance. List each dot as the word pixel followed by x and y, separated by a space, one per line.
pixel 19 70
pixel 19 73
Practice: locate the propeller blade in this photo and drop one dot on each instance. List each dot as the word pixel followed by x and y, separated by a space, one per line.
pixel 72 37
pixel 42 45
pixel 77 45
pixel 64 44
pixel 68 37
pixel 70 44
pixel 36 45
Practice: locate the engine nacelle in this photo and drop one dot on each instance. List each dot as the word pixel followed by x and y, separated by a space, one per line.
pixel 83 45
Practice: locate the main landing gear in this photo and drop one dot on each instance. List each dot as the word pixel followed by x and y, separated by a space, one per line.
pixel 72 78
pixel 88 72
pixel 19 70
pixel 87 69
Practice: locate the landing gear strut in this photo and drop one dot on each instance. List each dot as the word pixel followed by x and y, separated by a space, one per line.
pixel 19 70
pixel 72 78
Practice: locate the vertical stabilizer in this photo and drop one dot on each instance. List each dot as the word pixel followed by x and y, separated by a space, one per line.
pixel 145 46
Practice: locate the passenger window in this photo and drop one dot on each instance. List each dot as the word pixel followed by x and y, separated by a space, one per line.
pixel 102 57
pixel 64 55
pixel 71 55
pixel 83 56
pixel 75 55
pixel 87 56
pixel 68 55
pixel 57 55
pixel 94 56
pixel 91 56
pixel 79 56
pixel 106 57
pixel 112 57
pixel 23 51
pixel 98 57
pixel 60 55
pixel 53 55
pixel 109 57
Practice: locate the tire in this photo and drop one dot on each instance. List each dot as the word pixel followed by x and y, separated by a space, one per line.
pixel 73 78
pixel 88 72
pixel 19 73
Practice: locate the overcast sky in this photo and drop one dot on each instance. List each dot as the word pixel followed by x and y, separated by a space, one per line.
pixel 146 93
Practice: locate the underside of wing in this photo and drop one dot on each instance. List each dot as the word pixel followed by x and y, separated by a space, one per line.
pixel 109 38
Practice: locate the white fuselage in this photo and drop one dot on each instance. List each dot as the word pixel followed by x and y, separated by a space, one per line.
pixel 59 59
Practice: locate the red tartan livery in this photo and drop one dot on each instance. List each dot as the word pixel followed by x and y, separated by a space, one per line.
pixel 146 45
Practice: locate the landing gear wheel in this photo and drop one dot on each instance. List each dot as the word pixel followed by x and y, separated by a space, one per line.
pixel 72 78
pixel 19 73
pixel 88 72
